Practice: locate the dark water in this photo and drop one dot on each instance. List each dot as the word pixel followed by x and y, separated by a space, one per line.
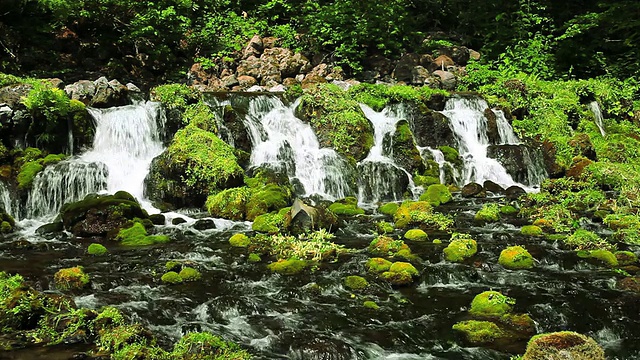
pixel 312 316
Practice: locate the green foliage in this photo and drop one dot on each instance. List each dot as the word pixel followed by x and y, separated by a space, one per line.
pixel 97 249
pixel 229 204
pixel 27 173
pixel 436 194
pixel 315 246
pixel 461 247
pixel 420 213
pixel 387 246
pixel 201 116
pixel 71 278
pixel 383 227
pixel 378 96
pixel 204 345
pixel 583 240
pixel 271 223
pixel 239 240
pixel 488 213
pixel 175 96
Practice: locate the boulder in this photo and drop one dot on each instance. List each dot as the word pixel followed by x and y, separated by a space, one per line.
pixel 524 164
pixel 108 94
pixel 514 192
pixel 443 61
pixel 473 190
pixel 419 75
pixel 253 48
pixel 447 79
pixel 458 54
pixel 493 135
pixel 549 152
pixel 303 218
pixel 82 90
pixel 430 128
pixel 404 151
pixel 379 64
pixel 493 187
pixel 404 67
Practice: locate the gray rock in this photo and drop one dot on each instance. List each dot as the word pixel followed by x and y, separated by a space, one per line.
pixel 253 48
pixel 447 79
pixel 230 81
pixel 82 90
pixel 419 75
pixel 404 68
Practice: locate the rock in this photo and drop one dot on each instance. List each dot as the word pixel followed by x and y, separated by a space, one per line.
pixel 12 95
pixel 336 74
pixel 514 192
pixel 253 48
pixel 473 190
pixel 404 67
pixel 457 54
pixel 405 153
pixel 582 145
pixel 53 227
pixel 318 347
pixel 493 187
pixel 305 218
pixel 447 79
pixel 231 81
pixel 629 284
pixel 443 61
pixel 108 94
pixel 474 55
pixel 82 90
pixel 378 64
pixel 246 81
pixel 419 75
pixel 515 258
pixel 178 221
pixel 157 219
pixel 427 62
pixel 320 70
pixel 521 162
pixel 288 82
pixel 388 184
pixel 204 224
pixel 430 128
pixel 549 152
pixel 563 345
pixel 493 135
pixel 292 65
pixel 460 248
pixel 270 42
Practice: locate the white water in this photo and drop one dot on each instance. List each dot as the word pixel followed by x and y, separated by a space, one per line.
pixel 443 164
pixel 597 114
pixel 5 198
pixel 283 141
pixel 469 125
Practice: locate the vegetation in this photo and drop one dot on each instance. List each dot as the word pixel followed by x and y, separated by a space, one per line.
pixel 136 235
pixel 461 247
pixel 491 303
pixel 71 278
pixel 515 258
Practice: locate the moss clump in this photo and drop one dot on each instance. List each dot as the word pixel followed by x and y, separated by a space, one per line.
pixel 416 235
pixel 384 227
pixel 491 303
pixel 346 207
pixel 389 208
pixel 563 345
pixel 240 240
pixel 479 332
pixel 585 239
pixel 515 258
pixel 271 223
pixel 531 230
pixel 425 181
pixel 229 204
pixel 355 282
pixel 5 227
pixel 136 235
pixel 189 274
pixel 626 258
pixel 451 155
pixel 71 278
pixel 171 277
pixel 378 265
pixel 386 246
pixel 254 258
pixel 288 267
pixel 488 213
pixel 97 249
pixel 27 173
pixel 508 210
pixel 315 246
pixel 436 194
pixel 266 198
pixel 378 96
pixel 605 257
pixel 371 305
pixel 201 116
pixel 421 214
pixel 173 265
pixel 204 345
pixel 400 273
pixel 461 247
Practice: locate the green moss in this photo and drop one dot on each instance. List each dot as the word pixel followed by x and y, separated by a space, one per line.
pixel 389 208
pixel 345 208
pixel 371 305
pixel 488 213
pixel 451 155
pixel 189 274
pixel 201 116
pixel 425 181
pixel 229 204
pixel 288 267
pixel 174 96
pixel 266 198
pixel 378 96
pixel 491 303
pixel 271 223
pixel 416 235
pixel 171 277
pixel 314 246
pixel 437 241
pixel 605 257
pixel 584 239
pixel 563 345
pixel 71 278
pixel 97 249
pixel 386 246
pixel 204 345
pixel 421 214
pixel 27 173
pixel 400 273
pixel 626 258
pixel 479 332
pixel 384 227
pixel 461 247
pixel 52 159
pixel 173 265
pixel 254 258
pixel 355 283
pixel 239 240
pixel 508 210
pixel 436 194
pixel 5 227
pixel 516 257
pixel 378 265
pixel 531 230
pixel 136 235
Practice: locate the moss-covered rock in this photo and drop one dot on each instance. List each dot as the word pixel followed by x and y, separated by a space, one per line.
pixel 337 120
pixel 27 173
pixel 426 180
pixel 97 249
pixel 451 155
pixel 563 345
pixel 239 240
pixel 136 235
pixel 461 247
pixel 508 210
pixel 602 256
pixel 515 258
pixel 491 303
pixel 171 277
pixel 383 227
pixel 346 207
pixel 404 151
pixel 389 208
pixel 71 278
pixel 189 274
pixel 271 223
pixel 400 273
pixel 387 246
pixel 416 235
pixel 230 203
pixel 479 332
pixel 288 267
pixel 355 282
pixel 488 213
pixel 626 258
pixel 254 258
pixel 420 214
pixel 436 194
pixel 203 345
pixel 378 265
pixel 531 230
pixel 371 305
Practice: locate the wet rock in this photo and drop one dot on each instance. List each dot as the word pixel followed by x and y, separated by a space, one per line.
pixel 563 345
pixel 378 64
pixel 492 126
pixel 473 190
pixel 514 192
pixel 306 218
pixel 493 187
pixel 405 153
pixel 204 224
pixel 404 67
pixel 50 228
pixel 430 128
pixel 157 219
pixel 178 221
pixel 381 181
pixel 108 94
pixel 316 348
pixel 521 162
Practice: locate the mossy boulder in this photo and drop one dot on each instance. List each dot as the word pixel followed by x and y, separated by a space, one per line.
pixel 488 213
pixel 288 267
pixel 400 273
pixel 490 304
pixel 271 223
pixel 7 222
pixel 100 215
pixel 230 203
pixel 387 246
pixel 404 151
pixel 204 345
pixel 303 218
pixel 189 274
pixel 378 265
pixel 346 207
pixel 383 227
pixel 171 277
pixel 73 278
pixel 563 345
pixel 239 240
pixel 389 208
pixel 337 120
pixel 97 250
pixel 508 210
pixel 136 235
pixel 460 248
pixel 626 258
pixel 416 235
pixel 601 256
pixel 355 283
pixel 451 155
pixel 436 194
pixel 371 305
pixel 426 180
pixel 420 214
pixel 531 230
pixel 515 258
pixel 196 164
pixel 478 332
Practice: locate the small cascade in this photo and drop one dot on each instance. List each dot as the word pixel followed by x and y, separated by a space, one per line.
pixel 597 114
pixel 446 168
pixel 5 198
pixel 218 106
pixel 469 125
pixel 379 177
pixel 284 142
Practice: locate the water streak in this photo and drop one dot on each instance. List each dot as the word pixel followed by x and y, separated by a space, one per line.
pixel 597 114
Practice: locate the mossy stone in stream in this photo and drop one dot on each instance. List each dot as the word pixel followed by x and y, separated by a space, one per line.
pixel 136 235
pixel 531 230
pixel 271 223
pixel 71 278
pixel 389 208
pixel 626 258
pixel 420 214
pixel 400 273
pixel 563 345
pixel 387 246
pixel 189 274
pixel 491 303
pixel 378 265
pixel 416 235
pixel 288 267
pixel 346 207
pixel 355 282
pixel 461 247
pixel 425 181
pixel 239 240
pixel 173 265
pixel 97 249
pixel 605 257
pixel 204 345
pixel 254 258
pixel 451 155
pixel 172 277
pixel 515 258
pixel 229 203
pixel 479 332
pixel 5 227
pixel 436 194
pixel 508 210
pixel 371 305
pixel 488 213
pixel 28 172
pixel 384 227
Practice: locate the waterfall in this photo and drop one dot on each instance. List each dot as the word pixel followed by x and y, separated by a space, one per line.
pixel 284 142
pixel 379 177
pixel 597 114
pixel 5 198
pixel 127 138
pixel 444 166
pixel 469 124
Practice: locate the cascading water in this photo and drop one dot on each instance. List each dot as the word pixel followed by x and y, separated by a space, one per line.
pixel 380 178
pixel 5 198
pixel 597 113
pixel 282 141
pixel 446 168
pixel 127 138
pixel 469 124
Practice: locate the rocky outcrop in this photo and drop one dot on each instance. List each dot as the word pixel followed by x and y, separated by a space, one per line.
pixel 430 128
pixel 404 151
pixel 522 162
pixel 102 93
